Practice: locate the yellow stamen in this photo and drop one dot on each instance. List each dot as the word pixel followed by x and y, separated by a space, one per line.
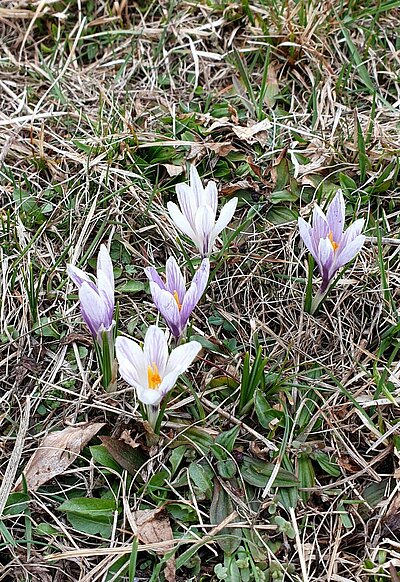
pixel 153 377
pixel 334 244
pixel 177 300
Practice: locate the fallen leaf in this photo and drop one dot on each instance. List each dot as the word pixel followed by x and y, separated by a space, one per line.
pixel 253 133
pixel 220 148
pixel 250 134
pixel 130 458
pixel 173 170
pixel 56 453
pixel 153 527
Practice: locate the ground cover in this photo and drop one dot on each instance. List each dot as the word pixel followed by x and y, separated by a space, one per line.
pixel 278 452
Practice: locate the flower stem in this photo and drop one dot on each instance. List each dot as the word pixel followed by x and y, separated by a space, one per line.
pixel 152 414
pixel 318 300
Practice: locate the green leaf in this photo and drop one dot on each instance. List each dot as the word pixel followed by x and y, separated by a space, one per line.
pixel 229 539
pixel 281 215
pixel 306 475
pixel 103 458
pixel 182 512
pixel 176 458
pixel 326 465
pixel 201 479
pixel 283 196
pixel 132 287
pixel 257 472
pixel 92 516
pixel 227 439
pixel 264 412
pixel 226 469
pixel 16 503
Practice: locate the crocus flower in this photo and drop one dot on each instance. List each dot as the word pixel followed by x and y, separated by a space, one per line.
pixel 197 214
pixel 171 298
pixel 330 246
pixel 96 299
pixel 151 370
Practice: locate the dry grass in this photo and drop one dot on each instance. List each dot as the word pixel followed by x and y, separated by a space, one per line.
pixel 98 101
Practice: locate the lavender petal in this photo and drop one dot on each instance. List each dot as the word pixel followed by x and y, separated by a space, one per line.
pixel 335 216
pixel 195 291
pixel 154 277
pixel 175 281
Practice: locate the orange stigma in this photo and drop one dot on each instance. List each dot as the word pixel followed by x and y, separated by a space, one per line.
pixel 153 377
pixel 177 300
pixel 333 243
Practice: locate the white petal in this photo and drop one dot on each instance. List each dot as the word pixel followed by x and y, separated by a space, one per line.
pixel 181 221
pixel 156 349
pixel 132 363
pixel 197 187
pixel 205 222
pixel 149 396
pixel 211 196
pixel 181 358
pixel 224 219
pixel 187 202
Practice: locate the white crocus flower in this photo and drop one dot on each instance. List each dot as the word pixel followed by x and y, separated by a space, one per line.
pixel 196 216
pixel 151 370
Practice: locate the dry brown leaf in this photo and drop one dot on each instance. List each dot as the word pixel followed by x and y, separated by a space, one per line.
pixel 153 526
pixel 220 148
pixel 56 453
pixel 173 170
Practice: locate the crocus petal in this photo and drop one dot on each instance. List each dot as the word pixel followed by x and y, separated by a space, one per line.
pixel 154 277
pixel 105 277
pixel 156 348
pixel 204 221
pixel 211 196
pixel 353 231
pixel 306 235
pixel 187 202
pixel 224 219
pixel 195 291
pixel 167 306
pixel 181 221
pixel 93 308
pixel 325 257
pixel 349 251
pixel 181 358
pixel 197 187
pixel 131 361
pixel 335 216
pixel 175 281
pixel 149 396
pixel 320 225
pixel 78 276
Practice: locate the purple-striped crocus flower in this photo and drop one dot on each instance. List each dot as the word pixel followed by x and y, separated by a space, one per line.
pixel 97 299
pixel 197 214
pixel 151 370
pixel 330 246
pixel 171 298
